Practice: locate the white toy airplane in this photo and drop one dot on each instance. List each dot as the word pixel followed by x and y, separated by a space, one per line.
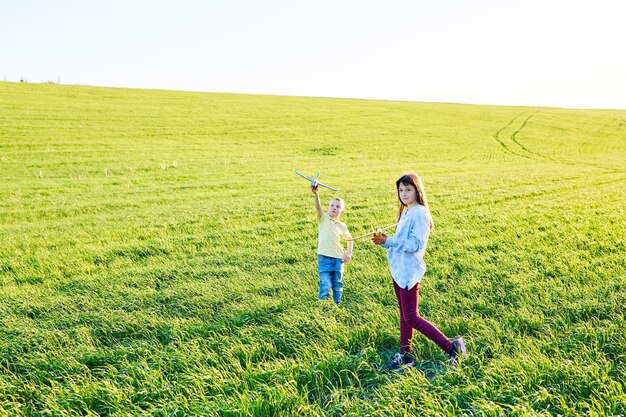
pixel 314 181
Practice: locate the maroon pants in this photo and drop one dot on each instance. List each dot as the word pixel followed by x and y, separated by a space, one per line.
pixel 410 319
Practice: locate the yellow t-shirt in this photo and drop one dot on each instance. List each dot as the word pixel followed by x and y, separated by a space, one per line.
pixel 328 238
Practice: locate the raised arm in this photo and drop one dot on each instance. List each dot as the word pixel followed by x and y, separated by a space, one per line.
pixel 316 199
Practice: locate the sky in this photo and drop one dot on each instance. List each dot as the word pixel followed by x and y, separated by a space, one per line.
pixel 554 53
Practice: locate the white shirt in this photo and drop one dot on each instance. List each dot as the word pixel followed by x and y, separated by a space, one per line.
pixel 406 249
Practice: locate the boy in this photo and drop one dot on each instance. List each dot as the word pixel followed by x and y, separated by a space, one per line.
pixel 330 254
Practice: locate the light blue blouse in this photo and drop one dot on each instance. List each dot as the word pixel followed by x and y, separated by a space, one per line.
pixel 406 249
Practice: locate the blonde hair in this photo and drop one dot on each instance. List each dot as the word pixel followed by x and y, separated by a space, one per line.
pixel 414 180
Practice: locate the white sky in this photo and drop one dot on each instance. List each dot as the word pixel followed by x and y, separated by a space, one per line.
pixel 563 53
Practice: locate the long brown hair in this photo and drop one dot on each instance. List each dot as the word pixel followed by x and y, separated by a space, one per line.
pixel 415 181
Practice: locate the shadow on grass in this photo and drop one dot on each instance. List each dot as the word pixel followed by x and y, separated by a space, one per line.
pixel 430 368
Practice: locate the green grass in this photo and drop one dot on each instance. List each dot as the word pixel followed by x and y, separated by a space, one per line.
pixel 157 256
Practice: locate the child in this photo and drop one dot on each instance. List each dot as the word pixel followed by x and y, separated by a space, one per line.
pixel 330 254
pixel 405 252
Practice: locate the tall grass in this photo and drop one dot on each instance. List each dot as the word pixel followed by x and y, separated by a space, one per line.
pixel 157 256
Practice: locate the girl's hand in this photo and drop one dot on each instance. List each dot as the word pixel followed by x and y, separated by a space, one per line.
pixel 378 240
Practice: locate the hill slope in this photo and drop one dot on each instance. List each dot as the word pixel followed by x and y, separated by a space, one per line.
pixel 157 255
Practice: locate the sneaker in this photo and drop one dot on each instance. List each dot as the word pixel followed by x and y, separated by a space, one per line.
pixel 401 360
pixel 458 350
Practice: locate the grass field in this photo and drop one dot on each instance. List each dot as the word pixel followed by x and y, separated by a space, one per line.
pixel 157 256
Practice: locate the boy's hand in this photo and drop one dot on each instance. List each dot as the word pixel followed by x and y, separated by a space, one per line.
pixel 315 189
pixel 378 240
pixel 346 258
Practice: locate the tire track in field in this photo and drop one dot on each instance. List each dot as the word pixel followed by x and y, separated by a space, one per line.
pixel 514 137
pixel 489 190
pixel 538 154
pixel 528 153
pixel 538 193
pixel 619 121
pixel 496 136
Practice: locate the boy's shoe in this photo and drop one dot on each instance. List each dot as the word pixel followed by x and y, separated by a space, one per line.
pixel 401 360
pixel 458 350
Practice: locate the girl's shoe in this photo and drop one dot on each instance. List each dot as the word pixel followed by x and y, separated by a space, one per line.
pixel 401 360
pixel 458 350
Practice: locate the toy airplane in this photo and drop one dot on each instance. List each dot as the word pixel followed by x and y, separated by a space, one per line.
pixel 314 181
pixel 377 231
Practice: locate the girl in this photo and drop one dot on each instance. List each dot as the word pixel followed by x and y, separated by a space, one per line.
pixel 405 252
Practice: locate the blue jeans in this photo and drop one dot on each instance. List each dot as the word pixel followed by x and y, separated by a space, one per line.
pixel 330 270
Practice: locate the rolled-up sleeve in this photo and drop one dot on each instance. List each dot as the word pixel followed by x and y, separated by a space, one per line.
pixel 418 230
